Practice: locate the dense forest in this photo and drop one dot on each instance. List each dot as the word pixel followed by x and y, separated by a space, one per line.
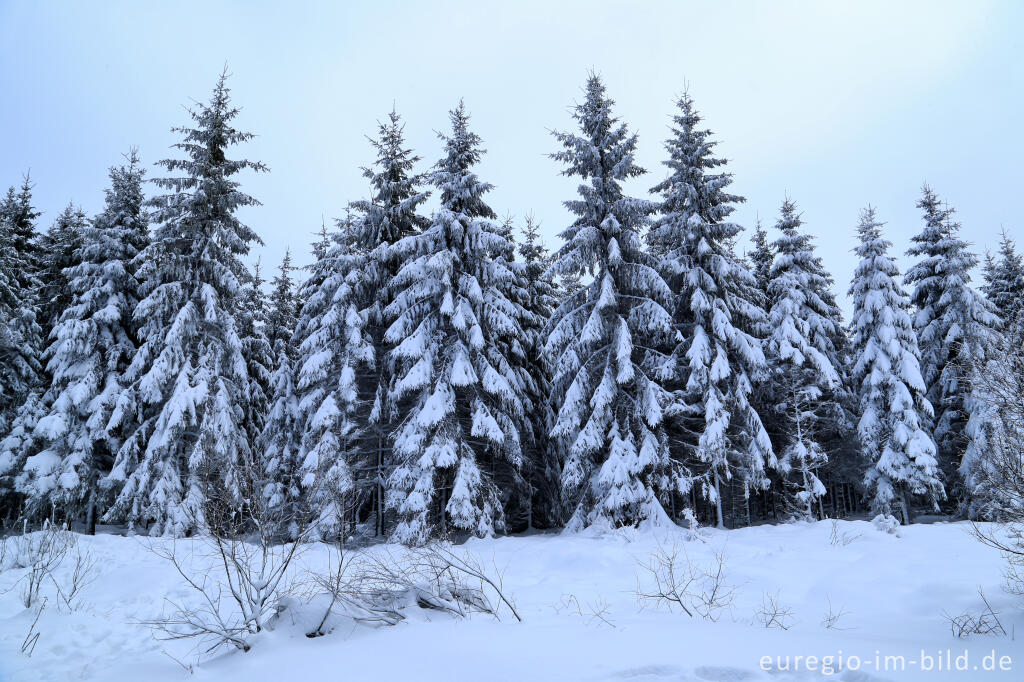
pixel 443 374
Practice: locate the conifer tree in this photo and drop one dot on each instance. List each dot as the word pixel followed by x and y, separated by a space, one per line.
pixel 281 317
pixel 21 341
pixel 257 351
pixel 761 257
pixel 461 396
pixel 715 305
pixel 542 460
pixel 188 378
pixel 605 338
pixel 72 443
pixel 1004 281
pixel 803 320
pixel 894 412
pixel 388 216
pixel 955 328
pixel 61 250
pixel 333 350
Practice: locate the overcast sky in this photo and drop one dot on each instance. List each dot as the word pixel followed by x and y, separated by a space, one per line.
pixel 836 104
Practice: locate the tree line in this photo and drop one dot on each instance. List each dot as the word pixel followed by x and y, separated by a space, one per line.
pixel 441 374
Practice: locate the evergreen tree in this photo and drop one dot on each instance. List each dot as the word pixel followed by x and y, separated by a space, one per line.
pixel 761 257
pixel 894 412
pixel 257 351
pixel 713 310
pixel 280 441
pixel 73 443
pixel 388 216
pixel 1004 281
pixel 188 379
pixel 516 490
pixel 333 350
pixel 460 395
pixel 542 460
pixel 20 334
pixel 61 250
pixel 803 320
pixel 21 342
pixel 281 318
pixel 604 339
pixel 954 328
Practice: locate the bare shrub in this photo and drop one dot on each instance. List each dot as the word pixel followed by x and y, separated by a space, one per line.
pixel 83 573
pixel 773 613
pixel 984 622
pixel 41 553
pixel 435 576
pixel 832 617
pixel 236 566
pixel 598 610
pixel 28 645
pixel 839 539
pixel 677 582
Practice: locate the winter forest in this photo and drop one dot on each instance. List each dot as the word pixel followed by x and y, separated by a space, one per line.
pixel 447 374
pixel 447 437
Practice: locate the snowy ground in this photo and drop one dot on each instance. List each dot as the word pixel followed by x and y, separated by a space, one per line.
pixel 582 619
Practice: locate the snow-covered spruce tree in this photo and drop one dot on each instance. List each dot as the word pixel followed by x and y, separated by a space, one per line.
pixel 283 311
pixel 332 350
pixel 257 351
pixel 717 357
pixel 61 249
pixel 92 343
pixel 991 467
pixel 388 216
pixel 1004 281
pixel 459 397
pixel 21 342
pixel 803 321
pixel 761 257
pixel 604 340
pixel 542 461
pixel 188 379
pixel 514 483
pixel 894 412
pixel 279 443
pixel 955 329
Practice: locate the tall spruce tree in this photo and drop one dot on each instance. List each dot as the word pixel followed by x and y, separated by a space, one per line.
pixel 761 257
pixel 189 378
pixel 257 351
pixel 388 216
pixel 333 350
pixel 801 352
pixel 894 412
pixel 1004 281
pixel 61 250
pixel 73 443
pixel 542 457
pixel 282 315
pixel 21 342
pixel 605 339
pixel 955 329
pixel 713 310
pixel 460 395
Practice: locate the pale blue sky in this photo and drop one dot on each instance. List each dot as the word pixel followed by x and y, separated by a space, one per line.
pixel 838 104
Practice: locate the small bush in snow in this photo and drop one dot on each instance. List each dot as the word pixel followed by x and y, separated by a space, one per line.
pixel 886 522
pixel 774 614
pixel 677 582
pixel 985 622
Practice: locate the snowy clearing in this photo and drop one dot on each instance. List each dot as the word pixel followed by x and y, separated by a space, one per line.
pixel 581 616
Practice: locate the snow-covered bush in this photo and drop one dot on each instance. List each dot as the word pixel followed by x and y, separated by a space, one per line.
pixel 886 523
